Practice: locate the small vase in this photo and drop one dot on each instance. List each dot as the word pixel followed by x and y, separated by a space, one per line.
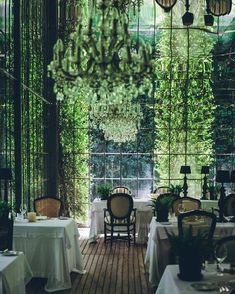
pixel 190 268
pixel 162 215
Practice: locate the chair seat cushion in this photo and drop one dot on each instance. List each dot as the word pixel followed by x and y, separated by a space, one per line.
pixel 124 222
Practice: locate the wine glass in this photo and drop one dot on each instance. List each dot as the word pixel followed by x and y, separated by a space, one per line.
pixel 181 208
pixel 23 210
pixel 221 253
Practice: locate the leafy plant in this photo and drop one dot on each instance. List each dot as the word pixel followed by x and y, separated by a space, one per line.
pixel 189 244
pixel 176 189
pixel 5 208
pixel 162 203
pixel 104 191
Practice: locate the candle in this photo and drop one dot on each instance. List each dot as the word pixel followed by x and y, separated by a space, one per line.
pixel 31 216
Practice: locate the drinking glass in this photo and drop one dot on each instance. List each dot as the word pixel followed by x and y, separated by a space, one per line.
pixel 23 210
pixel 220 255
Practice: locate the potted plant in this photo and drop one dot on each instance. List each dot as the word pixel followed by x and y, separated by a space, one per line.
pixel 104 191
pixel 176 189
pixel 213 190
pixel 161 207
pixel 191 250
pixel 5 208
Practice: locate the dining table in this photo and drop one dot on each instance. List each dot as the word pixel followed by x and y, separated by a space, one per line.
pixel 52 249
pixel 210 283
pixel 15 273
pixel 144 214
pixel 158 248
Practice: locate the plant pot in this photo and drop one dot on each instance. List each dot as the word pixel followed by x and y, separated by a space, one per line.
pixel 190 267
pixel 162 215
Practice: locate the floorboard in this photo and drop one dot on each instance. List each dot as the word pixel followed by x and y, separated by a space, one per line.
pixel 116 270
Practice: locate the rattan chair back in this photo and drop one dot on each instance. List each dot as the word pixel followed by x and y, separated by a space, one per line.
pixel 48 206
pixel 188 202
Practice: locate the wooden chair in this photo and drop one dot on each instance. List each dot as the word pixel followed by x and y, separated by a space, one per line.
pixel 229 205
pixel 189 203
pixel 121 189
pixel 229 243
pixel 6 234
pixel 48 206
pixel 119 218
pixel 199 220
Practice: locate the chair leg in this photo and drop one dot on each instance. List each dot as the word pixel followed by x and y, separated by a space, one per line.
pixel 134 232
pixel 105 233
pixel 129 237
pixel 111 236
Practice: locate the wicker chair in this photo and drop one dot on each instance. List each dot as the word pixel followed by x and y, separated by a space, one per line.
pixel 229 205
pixel 121 189
pixel 229 243
pixel 188 202
pixel 48 206
pixel 6 234
pixel 119 218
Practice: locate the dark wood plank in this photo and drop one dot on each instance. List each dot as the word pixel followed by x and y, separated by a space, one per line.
pixel 118 270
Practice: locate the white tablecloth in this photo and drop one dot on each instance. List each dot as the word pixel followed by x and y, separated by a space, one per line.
pixel 143 217
pixel 15 273
pixel 170 283
pixel 52 249
pixel 158 249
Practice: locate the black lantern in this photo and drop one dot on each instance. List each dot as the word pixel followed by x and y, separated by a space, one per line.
pixel 185 169
pixel 222 176
pixel 205 170
pixel 166 4
pixel 209 20
pixel 188 17
pixel 220 7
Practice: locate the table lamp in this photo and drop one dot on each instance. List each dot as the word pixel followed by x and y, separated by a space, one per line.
pixel 205 171
pixel 222 176
pixel 185 169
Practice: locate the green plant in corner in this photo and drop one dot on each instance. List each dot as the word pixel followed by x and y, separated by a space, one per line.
pixel 104 191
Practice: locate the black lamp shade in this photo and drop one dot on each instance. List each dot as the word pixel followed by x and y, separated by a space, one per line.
pixel 205 169
pixel 5 174
pixel 209 20
pixel 222 176
pixel 166 4
pixel 233 176
pixel 185 169
pixel 187 18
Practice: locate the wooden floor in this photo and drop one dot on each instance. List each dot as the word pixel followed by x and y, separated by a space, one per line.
pixel 117 270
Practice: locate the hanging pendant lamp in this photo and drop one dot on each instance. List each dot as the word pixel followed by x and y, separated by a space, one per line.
pixel 219 7
pixel 166 4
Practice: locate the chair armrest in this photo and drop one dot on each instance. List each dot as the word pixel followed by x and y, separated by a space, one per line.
pixel 134 211
pixel 105 212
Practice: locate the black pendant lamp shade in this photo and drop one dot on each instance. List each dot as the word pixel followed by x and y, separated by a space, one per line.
pixel 222 176
pixel 219 7
pixel 5 174
pixel 166 4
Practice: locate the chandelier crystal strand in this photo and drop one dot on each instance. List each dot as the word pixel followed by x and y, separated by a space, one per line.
pixel 102 65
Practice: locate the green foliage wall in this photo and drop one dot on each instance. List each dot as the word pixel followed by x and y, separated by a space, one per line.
pixel 184 109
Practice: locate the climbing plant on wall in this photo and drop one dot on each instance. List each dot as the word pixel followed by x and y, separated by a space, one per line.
pixel 184 105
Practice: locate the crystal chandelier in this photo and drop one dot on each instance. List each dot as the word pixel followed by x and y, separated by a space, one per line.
pixel 106 68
